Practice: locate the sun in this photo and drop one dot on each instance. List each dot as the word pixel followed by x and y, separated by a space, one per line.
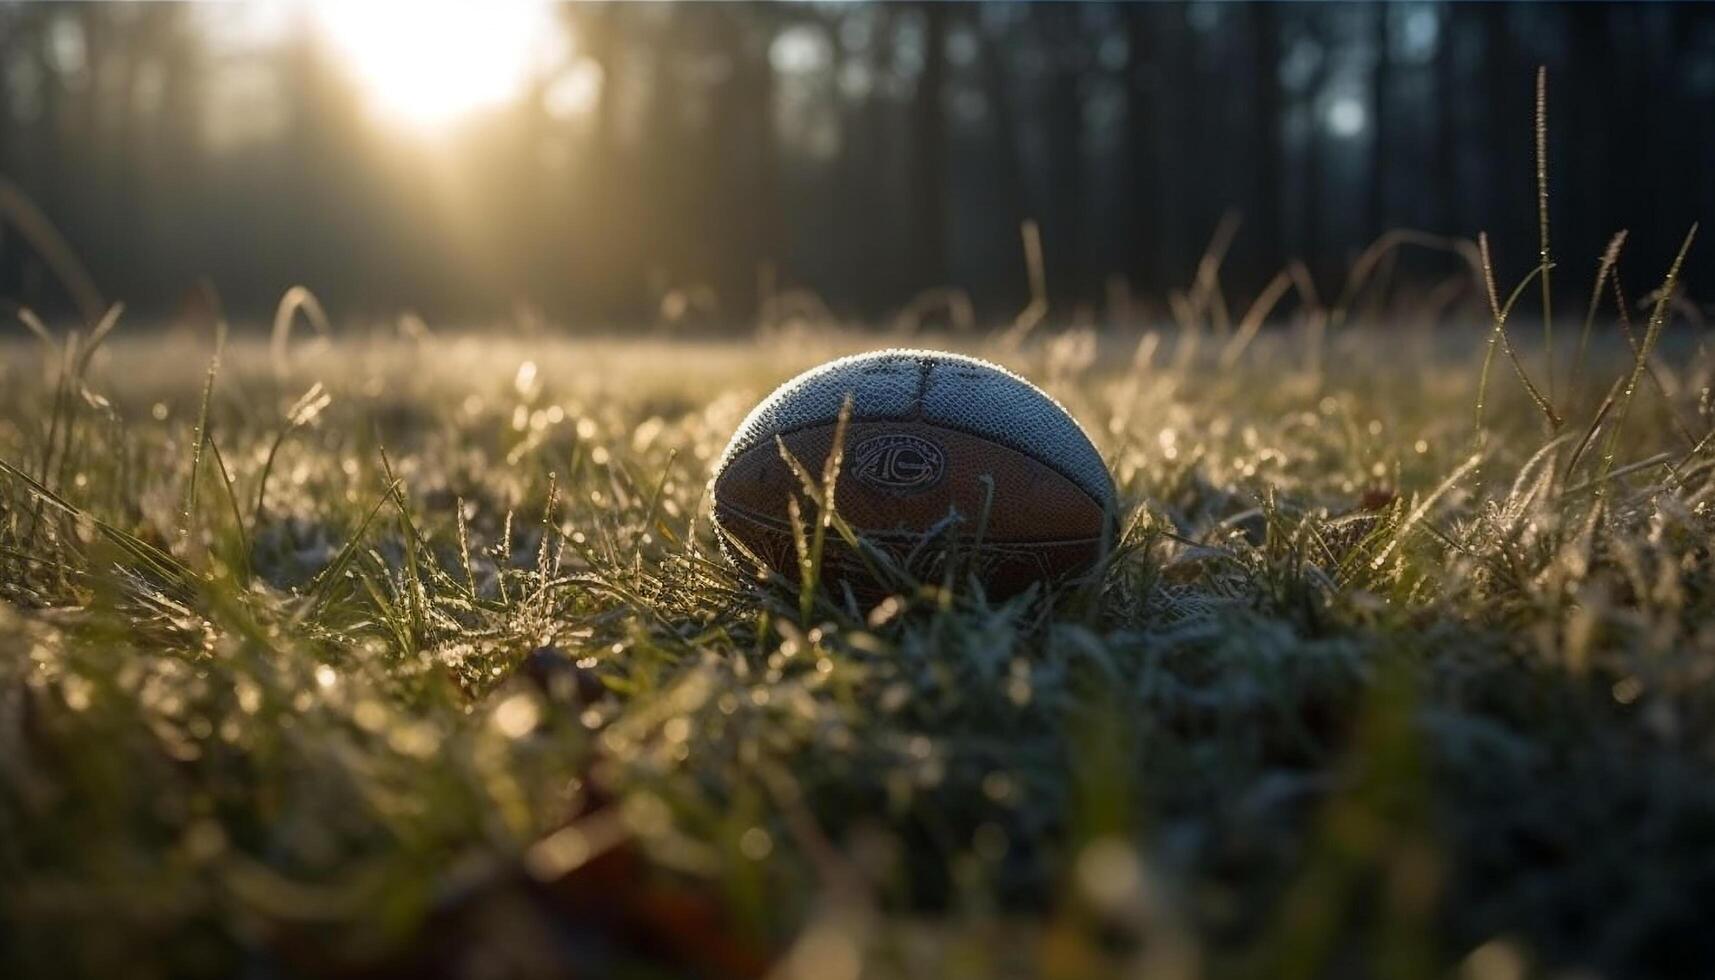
pixel 428 63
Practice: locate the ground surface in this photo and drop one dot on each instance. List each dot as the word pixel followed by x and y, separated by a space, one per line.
pixel 1366 691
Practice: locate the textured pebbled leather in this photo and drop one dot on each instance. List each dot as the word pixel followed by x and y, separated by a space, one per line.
pixel 937 441
pixel 950 390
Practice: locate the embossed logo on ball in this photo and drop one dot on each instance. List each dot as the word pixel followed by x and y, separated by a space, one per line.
pixel 899 463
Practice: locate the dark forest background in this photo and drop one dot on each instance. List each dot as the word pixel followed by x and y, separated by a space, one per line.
pixel 727 153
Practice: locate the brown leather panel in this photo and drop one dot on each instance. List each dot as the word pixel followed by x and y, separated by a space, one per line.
pixel 1005 570
pixel 900 479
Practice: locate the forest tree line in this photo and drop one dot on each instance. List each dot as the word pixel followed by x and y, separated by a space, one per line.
pixel 704 158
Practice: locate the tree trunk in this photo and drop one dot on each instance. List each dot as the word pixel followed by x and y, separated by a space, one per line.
pixel 930 214
pixel 1508 194
pixel 1064 230
pixel 1381 129
pixel 1145 228
pixel 1010 188
pixel 1314 175
pixel 1269 180
pixel 1449 216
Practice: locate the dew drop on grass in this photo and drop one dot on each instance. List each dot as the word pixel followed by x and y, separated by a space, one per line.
pixel 557 853
pixel 827 953
pixel 77 692
pixel 894 698
pixel 249 695
pixel 1626 690
pixel 370 715
pixel 755 844
pixel 1496 959
pixel 417 740
pixel 884 611
pixel 516 716
pixel 677 729
pixel 646 814
pixel 1108 872
pixel 1018 690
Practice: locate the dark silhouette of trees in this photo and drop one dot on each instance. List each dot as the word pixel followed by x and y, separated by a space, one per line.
pixel 709 157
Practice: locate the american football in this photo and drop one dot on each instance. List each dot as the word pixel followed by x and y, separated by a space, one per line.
pixel 944 455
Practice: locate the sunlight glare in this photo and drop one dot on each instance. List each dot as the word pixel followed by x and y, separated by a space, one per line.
pixel 431 62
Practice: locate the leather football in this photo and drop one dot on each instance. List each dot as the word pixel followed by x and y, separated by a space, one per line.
pixel 935 442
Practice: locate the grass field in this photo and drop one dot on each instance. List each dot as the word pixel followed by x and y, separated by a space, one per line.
pixel 1372 686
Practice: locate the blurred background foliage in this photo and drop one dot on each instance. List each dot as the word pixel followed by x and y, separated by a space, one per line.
pixel 614 163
